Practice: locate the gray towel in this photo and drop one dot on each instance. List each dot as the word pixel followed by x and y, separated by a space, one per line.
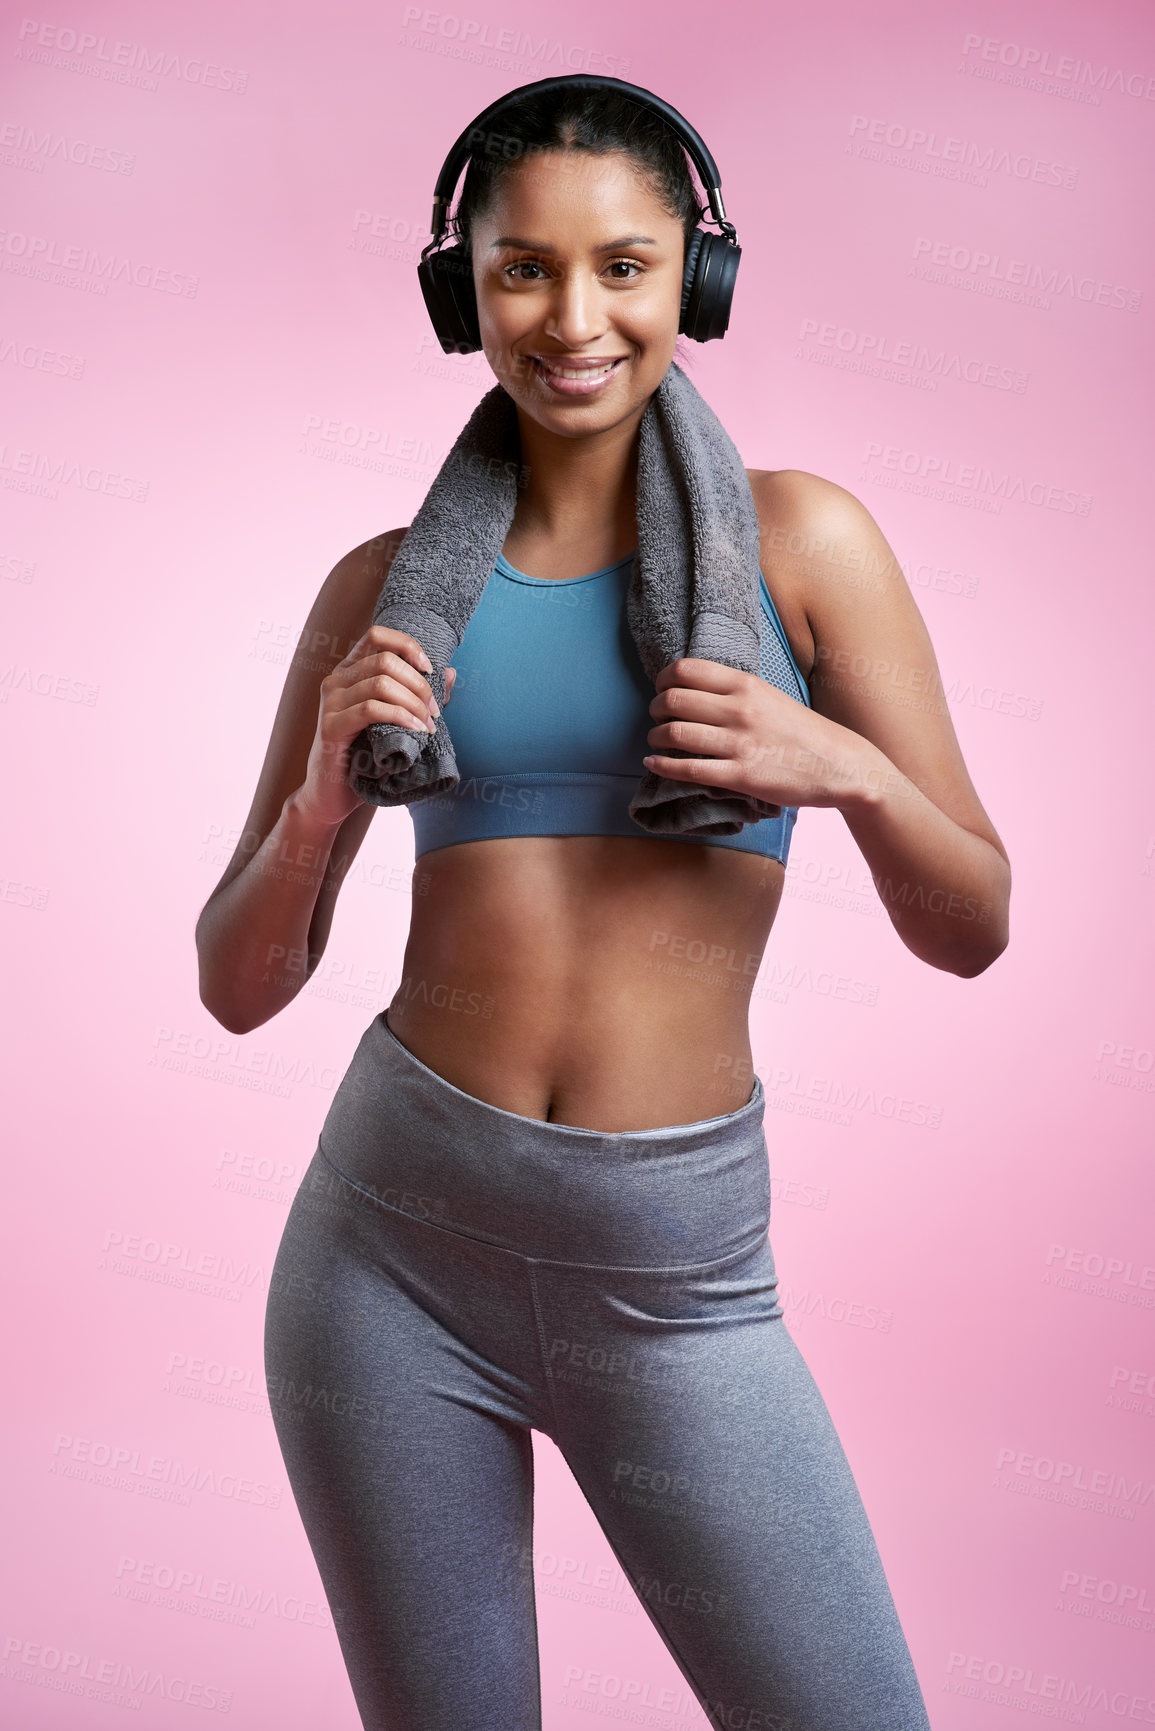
pixel 693 591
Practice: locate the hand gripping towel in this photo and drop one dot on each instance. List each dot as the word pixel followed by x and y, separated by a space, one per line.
pixel 693 590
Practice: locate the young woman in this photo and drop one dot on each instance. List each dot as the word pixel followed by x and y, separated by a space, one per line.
pixel 541 1196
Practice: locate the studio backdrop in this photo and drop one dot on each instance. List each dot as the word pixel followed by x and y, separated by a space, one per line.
pixel 219 377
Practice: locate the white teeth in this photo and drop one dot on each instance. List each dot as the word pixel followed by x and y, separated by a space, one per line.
pixel 582 373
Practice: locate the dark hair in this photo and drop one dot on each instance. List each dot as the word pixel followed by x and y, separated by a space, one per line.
pixel 582 120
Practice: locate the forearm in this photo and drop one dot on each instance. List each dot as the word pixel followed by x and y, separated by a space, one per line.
pixel 947 891
pixel 252 936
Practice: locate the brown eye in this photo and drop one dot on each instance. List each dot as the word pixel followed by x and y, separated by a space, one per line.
pixel 523 264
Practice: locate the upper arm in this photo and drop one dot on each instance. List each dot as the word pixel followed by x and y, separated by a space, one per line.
pixel 874 666
pixel 342 613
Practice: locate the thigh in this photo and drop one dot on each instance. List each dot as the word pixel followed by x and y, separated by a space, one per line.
pixel 705 1449
pixel 414 1487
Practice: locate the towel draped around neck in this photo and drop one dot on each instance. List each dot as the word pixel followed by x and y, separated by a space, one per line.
pixel 693 590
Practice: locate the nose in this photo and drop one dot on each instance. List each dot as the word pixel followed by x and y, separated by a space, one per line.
pixel 576 311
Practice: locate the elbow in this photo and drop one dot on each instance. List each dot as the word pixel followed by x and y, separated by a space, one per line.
pixel 966 953
pixel 214 997
pixel 984 947
pixel 231 1024
pixel 971 966
pixel 221 994
pixel 976 958
pixel 221 1012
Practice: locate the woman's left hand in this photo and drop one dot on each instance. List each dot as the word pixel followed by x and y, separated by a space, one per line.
pixel 747 736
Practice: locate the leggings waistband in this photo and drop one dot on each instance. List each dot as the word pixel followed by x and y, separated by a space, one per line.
pixel 678 1196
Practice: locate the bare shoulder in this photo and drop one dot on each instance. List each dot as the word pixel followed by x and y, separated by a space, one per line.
pixel 797 512
pixel 820 546
pixel 340 615
pixel 351 589
pixel 338 618
pixel 800 513
pixel 343 609
pixel 789 488
pixel 869 661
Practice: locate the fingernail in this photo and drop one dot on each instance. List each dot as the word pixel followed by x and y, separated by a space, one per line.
pixel 433 706
pixel 424 663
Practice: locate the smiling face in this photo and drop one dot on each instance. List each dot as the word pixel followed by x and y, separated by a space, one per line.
pixel 577 267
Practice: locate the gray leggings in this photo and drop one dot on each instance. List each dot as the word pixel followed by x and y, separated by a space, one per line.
pixel 453 1276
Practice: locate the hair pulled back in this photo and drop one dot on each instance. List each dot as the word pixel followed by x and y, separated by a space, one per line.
pixel 586 123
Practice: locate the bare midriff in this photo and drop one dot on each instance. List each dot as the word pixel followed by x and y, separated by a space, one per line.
pixel 596 981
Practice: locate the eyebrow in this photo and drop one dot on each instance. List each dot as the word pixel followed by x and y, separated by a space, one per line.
pixel 540 246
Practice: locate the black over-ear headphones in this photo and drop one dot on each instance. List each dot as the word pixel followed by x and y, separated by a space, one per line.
pixel 446 276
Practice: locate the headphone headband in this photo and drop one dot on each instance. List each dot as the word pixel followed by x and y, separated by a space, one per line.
pixel 642 99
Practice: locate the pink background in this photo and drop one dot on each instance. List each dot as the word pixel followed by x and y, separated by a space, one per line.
pixel 229 383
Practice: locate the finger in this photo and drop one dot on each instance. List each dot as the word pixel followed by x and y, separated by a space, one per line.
pixel 450 682
pixel 717 772
pixel 389 662
pixel 703 675
pixel 382 688
pixel 375 709
pixel 383 636
pixel 685 702
pixel 696 737
pixel 707 771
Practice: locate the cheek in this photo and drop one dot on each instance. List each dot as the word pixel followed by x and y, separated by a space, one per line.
pixel 653 322
pixel 498 311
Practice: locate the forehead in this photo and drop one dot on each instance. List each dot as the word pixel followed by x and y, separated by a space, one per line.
pixel 552 187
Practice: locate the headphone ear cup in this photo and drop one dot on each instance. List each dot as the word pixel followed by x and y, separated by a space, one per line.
pixel 708 285
pixel 446 280
pixel 689 272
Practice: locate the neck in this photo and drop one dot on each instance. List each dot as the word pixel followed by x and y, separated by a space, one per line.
pixel 578 485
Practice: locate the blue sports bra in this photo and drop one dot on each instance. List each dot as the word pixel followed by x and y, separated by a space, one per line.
pixel 550 712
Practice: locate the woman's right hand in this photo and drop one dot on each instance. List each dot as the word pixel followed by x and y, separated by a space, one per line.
pixel 379 680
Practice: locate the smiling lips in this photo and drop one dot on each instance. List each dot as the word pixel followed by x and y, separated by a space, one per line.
pixel 576 377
